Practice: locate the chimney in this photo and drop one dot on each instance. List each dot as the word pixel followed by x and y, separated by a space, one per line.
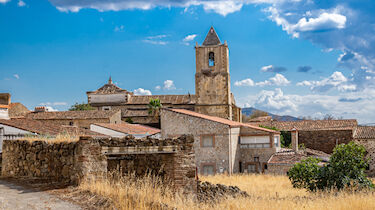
pixel 294 134
pixel 40 109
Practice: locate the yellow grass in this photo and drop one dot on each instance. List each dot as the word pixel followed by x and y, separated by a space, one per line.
pixel 266 192
pixel 60 138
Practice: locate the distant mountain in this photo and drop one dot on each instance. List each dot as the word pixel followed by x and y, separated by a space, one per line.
pixel 249 110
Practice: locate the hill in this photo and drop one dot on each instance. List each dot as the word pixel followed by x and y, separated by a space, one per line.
pixel 249 110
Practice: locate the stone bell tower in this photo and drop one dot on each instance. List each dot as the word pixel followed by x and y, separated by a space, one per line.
pixel 212 79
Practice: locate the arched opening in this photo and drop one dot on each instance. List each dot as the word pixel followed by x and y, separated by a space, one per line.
pixel 211 59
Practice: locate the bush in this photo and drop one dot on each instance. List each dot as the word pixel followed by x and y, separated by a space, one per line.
pixel 346 169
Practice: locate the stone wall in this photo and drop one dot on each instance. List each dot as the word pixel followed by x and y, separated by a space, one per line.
pixel 278 169
pixel 92 158
pixel 369 144
pixel 324 140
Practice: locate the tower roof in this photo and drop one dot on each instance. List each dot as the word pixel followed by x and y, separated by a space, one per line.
pixel 212 38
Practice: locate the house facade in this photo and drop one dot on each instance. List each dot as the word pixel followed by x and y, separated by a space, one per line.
pixel 212 96
pixel 221 145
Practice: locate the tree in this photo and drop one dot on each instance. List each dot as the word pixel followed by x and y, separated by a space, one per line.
pixel 285 139
pixel 346 169
pixel 154 107
pixel 81 107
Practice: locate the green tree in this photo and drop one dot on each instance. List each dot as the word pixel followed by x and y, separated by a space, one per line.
pixel 154 107
pixel 346 169
pixel 81 107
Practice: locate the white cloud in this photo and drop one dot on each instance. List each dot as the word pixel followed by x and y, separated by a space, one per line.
pixel 222 7
pixel 169 85
pixel 246 82
pixel 4 1
pixel 324 21
pixel 275 100
pixel 278 80
pixel 337 80
pixel 156 40
pixel 119 28
pixel 21 3
pixel 53 104
pixel 158 87
pixel 141 91
pixel 16 76
pixel 51 109
pixel 272 68
pixel 189 38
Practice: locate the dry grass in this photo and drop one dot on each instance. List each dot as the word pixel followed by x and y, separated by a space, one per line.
pixel 60 138
pixel 266 192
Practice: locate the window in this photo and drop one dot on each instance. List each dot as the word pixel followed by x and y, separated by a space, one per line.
pixel 207 141
pixel 71 123
pixel 106 108
pixel 211 59
pixel 208 170
pixel 255 142
pixel 256 159
pixel 276 139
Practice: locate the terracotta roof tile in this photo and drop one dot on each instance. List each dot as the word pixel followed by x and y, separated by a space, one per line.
pixel 220 120
pixel 92 114
pixel 307 125
pixel 17 110
pixel 286 158
pixel 109 89
pixel 130 128
pixel 364 132
pixel 164 99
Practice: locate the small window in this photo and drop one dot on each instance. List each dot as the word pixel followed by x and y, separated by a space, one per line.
pixel 106 108
pixel 71 123
pixel 265 166
pixel 276 139
pixel 256 159
pixel 207 141
pixel 208 170
pixel 211 59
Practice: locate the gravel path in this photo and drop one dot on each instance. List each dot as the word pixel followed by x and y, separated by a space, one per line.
pixel 14 197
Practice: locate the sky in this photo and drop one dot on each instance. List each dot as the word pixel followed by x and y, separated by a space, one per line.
pixel 298 57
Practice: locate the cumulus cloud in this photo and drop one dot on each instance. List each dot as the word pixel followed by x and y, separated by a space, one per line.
pixel 277 80
pixel 169 85
pixel 51 109
pixel 189 38
pixel 271 68
pixel 3 1
pixel 21 3
pixel 156 40
pixel 158 87
pixel 304 68
pixel 275 100
pixel 141 91
pixel 16 76
pixel 53 104
pixel 337 80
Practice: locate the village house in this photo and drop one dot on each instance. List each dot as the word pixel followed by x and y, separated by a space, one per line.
pixel 222 145
pixel 212 96
pixel 82 119
pixel 125 129
pixel 4 105
pixel 365 135
pixel 11 110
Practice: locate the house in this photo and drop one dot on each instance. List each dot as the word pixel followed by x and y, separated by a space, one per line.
pixel 82 119
pixel 365 135
pixel 124 129
pixel 321 135
pixel 222 145
pixel 4 105
pixel 212 96
pixel 17 110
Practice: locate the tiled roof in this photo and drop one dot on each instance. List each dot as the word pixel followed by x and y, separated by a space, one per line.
pixel 130 128
pixel 135 113
pixel 109 88
pixel 164 99
pixel 307 125
pixel 92 114
pixel 261 119
pixel 290 157
pixel 212 38
pixel 220 120
pixel 46 128
pixel 364 132
pixel 17 110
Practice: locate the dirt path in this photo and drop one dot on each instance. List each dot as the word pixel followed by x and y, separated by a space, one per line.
pixel 14 197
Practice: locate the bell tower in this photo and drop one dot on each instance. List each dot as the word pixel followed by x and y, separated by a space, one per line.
pixel 212 79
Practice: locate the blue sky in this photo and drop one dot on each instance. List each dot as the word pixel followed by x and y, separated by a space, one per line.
pixel 300 57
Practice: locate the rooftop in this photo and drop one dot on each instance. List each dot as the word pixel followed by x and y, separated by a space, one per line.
pixel 220 120
pixel 164 99
pixel 92 114
pixel 109 88
pixel 130 128
pixel 364 132
pixel 212 38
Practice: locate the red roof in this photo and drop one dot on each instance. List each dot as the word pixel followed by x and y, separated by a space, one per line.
pixel 220 120
pixel 130 128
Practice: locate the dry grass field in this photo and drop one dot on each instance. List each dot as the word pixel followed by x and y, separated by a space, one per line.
pixel 266 192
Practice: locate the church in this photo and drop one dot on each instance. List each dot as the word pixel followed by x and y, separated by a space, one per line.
pixel 212 97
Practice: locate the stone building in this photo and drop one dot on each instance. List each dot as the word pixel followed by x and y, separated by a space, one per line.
pixel 81 119
pixel 222 145
pixel 365 135
pixel 213 95
pixel 125 129
pixel 4 105
pixel 322 135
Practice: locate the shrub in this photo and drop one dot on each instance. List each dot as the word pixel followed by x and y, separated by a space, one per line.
pixel 346 169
